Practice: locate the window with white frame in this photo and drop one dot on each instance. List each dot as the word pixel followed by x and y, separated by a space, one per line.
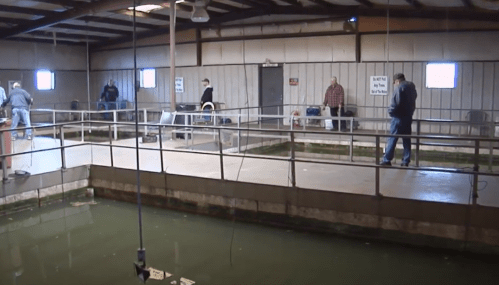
pixel 45 80
pixel 148 78
pixel 441 75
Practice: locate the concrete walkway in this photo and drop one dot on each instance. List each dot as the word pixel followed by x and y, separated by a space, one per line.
pixel 394 182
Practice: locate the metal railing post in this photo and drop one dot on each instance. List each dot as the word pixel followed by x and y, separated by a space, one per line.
pixel 293 170
pixel 111 146
pixel 377 167
pixel 4 159
pixel 161 149
pixel 278 119
pixel 82 128
pixel 418 133
pixel 63 153
pixel 53 122
pixel 221 155
pixel 476 168
pixel 239 132
pixel 491 144
pixel 115 126
pixel 145 122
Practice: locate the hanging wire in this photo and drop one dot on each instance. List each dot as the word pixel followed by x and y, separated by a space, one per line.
pixel 139 201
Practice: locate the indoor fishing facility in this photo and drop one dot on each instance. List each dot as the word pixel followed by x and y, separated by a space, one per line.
pixel 249 142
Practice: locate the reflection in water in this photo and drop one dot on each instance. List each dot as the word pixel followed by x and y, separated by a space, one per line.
pixel 97 244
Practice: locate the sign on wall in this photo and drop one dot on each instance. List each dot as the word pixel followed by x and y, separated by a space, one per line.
pixel 179 84
pixel 293 81
pixel 379 85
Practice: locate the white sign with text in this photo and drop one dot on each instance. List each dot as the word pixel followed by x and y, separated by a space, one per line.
pixel 179 84
pixel 379 85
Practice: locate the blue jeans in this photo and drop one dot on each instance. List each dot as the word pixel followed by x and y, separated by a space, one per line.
pixel 399 126
pixel 20 114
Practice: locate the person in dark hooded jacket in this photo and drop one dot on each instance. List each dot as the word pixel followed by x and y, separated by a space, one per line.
pixel 401 110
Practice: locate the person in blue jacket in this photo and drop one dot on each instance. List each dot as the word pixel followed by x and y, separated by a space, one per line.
pixel 20 100
pixel 401 110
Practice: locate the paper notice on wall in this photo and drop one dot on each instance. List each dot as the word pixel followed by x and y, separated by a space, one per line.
pixel 379 85
pixel 179 84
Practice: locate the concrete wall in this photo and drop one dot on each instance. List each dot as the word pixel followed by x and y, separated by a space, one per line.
pixel 444 225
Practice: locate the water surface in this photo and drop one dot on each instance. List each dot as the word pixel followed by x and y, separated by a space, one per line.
pixel 97 244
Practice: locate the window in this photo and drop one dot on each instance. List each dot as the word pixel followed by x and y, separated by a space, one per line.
pixel 441 75
pixel 45 80
pixel 148 78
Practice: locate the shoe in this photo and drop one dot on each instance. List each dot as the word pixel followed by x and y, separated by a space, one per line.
pixel 404 164
pixel 385 163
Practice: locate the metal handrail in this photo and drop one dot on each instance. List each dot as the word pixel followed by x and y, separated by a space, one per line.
pixel 475 172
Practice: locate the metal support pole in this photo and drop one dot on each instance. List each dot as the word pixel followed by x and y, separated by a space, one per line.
pixel 161 149
pixel 351 147
pixel 115 126
pixel 173 21
pixel 418 132
pixel 260 110
pixel 4 159
pixel 377 167
pixel 53 122
pixel 476 168
pixel 221 155
pixel 293 170
pixel 63 154
pixel 111 146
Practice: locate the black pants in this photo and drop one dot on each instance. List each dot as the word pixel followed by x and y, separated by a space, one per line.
pixel 334 113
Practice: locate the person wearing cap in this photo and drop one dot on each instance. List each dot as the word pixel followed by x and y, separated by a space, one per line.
pixel 20 100
pixel 401 110
pixel 208 92
pixel 334 98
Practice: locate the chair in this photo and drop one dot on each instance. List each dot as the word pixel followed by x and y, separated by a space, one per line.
pixel 477 119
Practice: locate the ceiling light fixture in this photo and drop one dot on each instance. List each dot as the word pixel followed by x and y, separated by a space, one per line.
pixel 199 14
pixel 146 8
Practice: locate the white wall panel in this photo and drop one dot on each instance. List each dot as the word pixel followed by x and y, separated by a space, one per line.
pixel 319 49
pixel 343 48
pixel 434 46
pixel 16 55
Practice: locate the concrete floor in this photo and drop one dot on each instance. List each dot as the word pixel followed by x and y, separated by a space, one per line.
pixel 395 182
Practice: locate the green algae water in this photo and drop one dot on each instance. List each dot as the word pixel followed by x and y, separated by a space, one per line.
pixel 97 244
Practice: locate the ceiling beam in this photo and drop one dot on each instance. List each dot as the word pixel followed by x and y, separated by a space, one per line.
pixel 325 4
pixel 151 16
pixel 48 41
pixel 59 35
pixel 81 10
pixel 28 11
pixel 254 4
pixel 227 17
pixel 64 3
pixel 14 21
pixel 92 29
pixel 365 3
pixel 415 3
pixel 468 3
pixel 117 22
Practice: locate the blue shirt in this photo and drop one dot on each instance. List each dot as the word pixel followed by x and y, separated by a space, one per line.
pixel 403 100
pixel 2 95
pixel 19 99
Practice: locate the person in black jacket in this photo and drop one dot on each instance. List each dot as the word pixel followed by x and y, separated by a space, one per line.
pixel 208 92
pixel 401 110
pixel 110 93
